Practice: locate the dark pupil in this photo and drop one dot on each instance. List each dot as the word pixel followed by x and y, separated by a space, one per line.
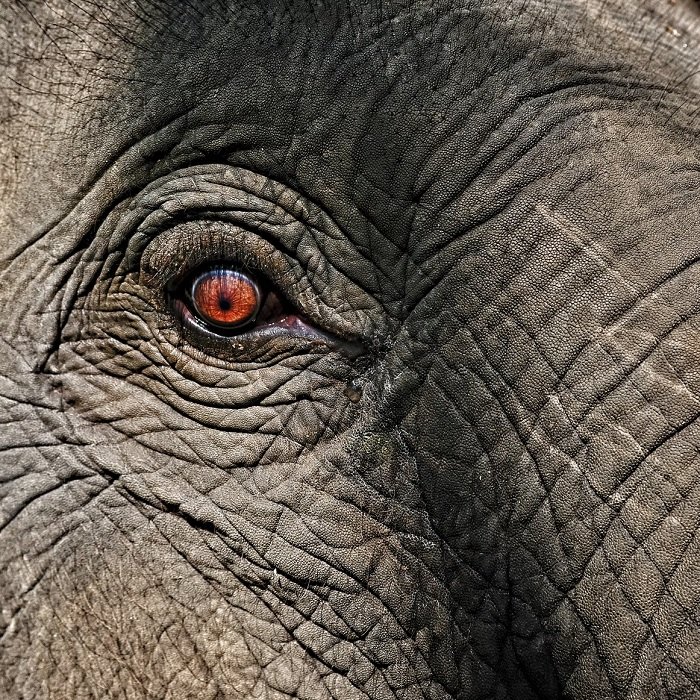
pixel 224 303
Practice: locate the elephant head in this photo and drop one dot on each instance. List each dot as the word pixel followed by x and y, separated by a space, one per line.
pixel 350 349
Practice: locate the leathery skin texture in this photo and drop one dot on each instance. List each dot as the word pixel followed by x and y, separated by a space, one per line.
pixel 471 470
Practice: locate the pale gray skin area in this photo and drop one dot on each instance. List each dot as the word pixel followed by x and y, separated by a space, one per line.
pixel 492 490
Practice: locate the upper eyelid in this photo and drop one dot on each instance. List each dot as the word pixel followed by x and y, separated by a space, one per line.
pixel 240 197
pixel 237 199
pixel 174 255
pixel 225 193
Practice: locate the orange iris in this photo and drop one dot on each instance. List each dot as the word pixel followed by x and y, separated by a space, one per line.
pixel 225 297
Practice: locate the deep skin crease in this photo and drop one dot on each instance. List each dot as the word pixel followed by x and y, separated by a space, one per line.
pixel 480 478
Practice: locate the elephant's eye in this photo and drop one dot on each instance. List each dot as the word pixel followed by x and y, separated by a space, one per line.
pixel 225 298
pixel 225 301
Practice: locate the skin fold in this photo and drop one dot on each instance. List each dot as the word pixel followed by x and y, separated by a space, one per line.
pixel 469 468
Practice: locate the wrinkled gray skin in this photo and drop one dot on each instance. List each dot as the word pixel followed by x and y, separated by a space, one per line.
pixel 481 480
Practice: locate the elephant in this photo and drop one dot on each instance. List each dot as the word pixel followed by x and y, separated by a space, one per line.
pixel 350 349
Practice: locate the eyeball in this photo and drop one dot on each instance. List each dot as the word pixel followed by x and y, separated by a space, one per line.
pixel 225 298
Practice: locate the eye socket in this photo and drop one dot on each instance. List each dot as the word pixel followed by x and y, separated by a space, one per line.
pixel 225 298
pixel 225 292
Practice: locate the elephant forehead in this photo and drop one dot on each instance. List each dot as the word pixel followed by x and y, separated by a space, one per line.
pixel 378 112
